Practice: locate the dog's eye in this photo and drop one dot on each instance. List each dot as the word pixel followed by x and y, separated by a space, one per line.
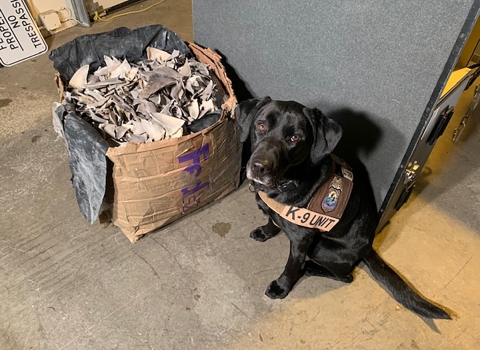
pixel 295 138
pixel 261 127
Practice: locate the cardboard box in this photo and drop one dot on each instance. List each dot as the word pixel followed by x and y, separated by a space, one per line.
pixel 157 183
pixel 149 185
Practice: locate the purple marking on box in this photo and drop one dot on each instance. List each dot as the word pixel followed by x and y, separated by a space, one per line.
pixel 191 197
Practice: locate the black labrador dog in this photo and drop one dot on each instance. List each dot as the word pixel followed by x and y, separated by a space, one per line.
pixel 290 159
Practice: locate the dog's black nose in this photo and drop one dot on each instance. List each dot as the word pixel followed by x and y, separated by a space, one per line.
pixel 258 169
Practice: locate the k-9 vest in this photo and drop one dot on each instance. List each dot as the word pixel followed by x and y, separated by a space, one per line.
pixel 327 205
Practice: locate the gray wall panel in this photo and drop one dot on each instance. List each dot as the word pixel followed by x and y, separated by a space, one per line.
pixel 372 65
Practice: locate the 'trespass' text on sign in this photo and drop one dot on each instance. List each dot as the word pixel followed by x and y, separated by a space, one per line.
pixel 20 38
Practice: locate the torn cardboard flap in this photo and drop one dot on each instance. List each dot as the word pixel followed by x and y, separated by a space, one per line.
pixel 214 60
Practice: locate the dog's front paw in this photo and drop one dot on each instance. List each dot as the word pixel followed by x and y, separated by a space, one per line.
pixel 259 235
pixel 276 291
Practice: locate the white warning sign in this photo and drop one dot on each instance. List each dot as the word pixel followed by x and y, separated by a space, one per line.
pixel 20 38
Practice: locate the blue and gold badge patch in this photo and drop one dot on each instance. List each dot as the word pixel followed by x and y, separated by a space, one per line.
pixel 330 202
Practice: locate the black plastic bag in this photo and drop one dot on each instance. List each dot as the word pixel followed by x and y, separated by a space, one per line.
pixel 120 43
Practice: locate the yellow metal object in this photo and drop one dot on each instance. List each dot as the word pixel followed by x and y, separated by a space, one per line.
pixel 455 79
pixel 469 48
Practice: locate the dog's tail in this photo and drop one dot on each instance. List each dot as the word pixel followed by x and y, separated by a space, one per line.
pixel 400 290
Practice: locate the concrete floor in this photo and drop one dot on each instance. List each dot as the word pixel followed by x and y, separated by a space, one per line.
pixel 66 284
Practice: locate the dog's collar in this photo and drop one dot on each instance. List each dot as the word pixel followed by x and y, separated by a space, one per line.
pixel 287 186
pixel 284 186
pixel 331 198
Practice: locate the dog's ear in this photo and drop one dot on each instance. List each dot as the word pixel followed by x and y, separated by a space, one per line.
pixel 326 134
pixel 245 112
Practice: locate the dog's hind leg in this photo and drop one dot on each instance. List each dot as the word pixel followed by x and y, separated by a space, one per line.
pixel 313 269
pixel 265 232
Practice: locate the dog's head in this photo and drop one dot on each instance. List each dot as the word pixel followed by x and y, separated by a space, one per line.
pixel 283 134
